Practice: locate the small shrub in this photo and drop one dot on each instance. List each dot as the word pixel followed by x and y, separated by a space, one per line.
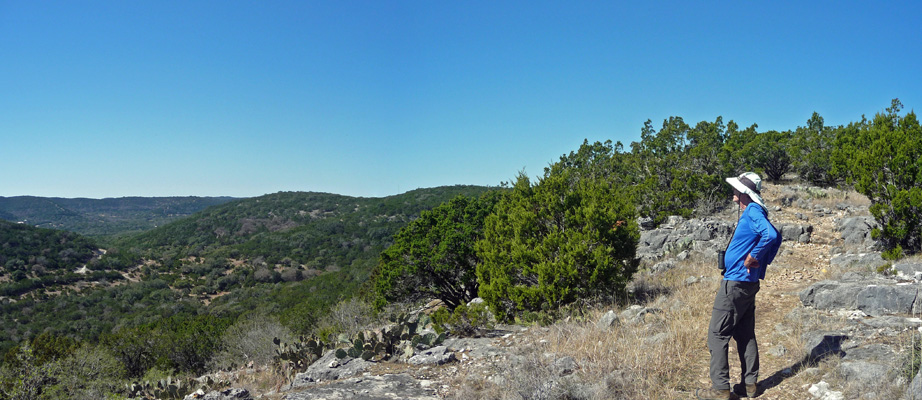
pixel 250 340
pixel 886 270
pixel 895 253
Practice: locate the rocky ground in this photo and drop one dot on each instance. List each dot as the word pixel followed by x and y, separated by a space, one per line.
pixel 834 321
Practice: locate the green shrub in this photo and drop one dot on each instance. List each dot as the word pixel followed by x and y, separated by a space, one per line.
pixel 812 147
pixel 434 256
pixel 886 270
pixel 553 243
pixel 883 159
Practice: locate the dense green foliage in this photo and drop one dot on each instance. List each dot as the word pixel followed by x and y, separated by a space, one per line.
pixel 92 313
pixel 680 169
pixel 101 217
pixel 178 343
pixel 34 258
pixel 77 371
pixel 555 242
pixel 812 147
pixel 434 256
pixel 883 159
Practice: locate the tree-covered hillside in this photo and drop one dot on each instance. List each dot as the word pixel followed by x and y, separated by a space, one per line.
pixel 286 254
pixel 36 258
pixel 100 217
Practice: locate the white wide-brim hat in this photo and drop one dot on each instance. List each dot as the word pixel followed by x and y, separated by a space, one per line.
pixel 749 183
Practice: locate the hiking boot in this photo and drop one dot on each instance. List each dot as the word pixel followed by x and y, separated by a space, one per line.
pixel 714 394
pixel 748 390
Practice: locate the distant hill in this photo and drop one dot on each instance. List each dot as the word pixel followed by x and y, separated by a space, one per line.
pixel 100 217
pixel 291 254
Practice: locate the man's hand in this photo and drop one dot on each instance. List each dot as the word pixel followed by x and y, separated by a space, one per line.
pixel 751 263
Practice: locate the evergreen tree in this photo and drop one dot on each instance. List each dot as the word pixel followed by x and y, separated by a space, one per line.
pixel 551 244
pixel 434 256
pixel 884 162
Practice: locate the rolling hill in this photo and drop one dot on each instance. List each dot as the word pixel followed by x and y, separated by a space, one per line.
pixel 100 217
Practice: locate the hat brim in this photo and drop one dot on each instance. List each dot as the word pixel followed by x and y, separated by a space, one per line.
pixel 740 187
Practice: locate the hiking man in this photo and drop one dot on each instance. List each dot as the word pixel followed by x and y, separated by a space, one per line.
pixel 752 247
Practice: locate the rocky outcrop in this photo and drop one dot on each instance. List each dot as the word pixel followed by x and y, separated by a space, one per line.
pixel 864 360
pixel 373 387
pixel 434 356
pixel 859 261
pixel 227 394
pixel 874 297
pixel 878 301
pixel 329 368
pixel 856 231
pixel 677 234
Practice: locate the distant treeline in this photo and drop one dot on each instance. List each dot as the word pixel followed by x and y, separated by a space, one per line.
pixel 102 217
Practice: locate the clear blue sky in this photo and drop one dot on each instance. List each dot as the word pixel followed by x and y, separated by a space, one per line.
pixel 373 98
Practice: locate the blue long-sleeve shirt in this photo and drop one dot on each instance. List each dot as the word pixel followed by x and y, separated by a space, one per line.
pixel 754 236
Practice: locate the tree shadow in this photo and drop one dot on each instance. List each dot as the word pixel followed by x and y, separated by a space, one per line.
pixel 829 345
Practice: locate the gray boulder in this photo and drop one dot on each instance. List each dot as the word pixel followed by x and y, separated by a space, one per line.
pixel 678 234
pixel 330 368
pixel 662 266
pixel 796 233
pixel 608 320
pixel 858 261
pixel 857 230
pixel 831 295
pixel 880 298
pixel 434 356
pixel 875 352
pixel 864 373
pixel 887 299
pixel 909 270
pixel 636 314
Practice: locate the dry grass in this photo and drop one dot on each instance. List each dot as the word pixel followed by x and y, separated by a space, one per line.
pixel 665 356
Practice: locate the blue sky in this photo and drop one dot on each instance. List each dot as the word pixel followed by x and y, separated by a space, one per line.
pixel 374 98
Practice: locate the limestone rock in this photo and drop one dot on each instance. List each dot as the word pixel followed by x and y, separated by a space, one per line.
pixel 227 394
pixel 434 356
pixel 330 368
pixel 608 320
pixel 383 387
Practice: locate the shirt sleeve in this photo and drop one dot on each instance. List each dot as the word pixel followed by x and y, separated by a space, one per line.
pixel 768 239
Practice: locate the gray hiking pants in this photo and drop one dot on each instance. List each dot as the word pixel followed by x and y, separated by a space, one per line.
pixel 734 316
